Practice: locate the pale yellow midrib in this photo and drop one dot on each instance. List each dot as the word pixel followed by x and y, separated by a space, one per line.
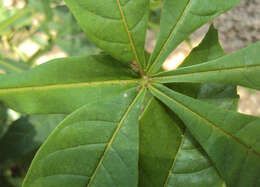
pixel 202 72
pixel 170 36
pixel 114 135
pixel 70 85
pixel 129 35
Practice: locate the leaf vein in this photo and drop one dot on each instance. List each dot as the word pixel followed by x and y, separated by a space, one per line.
pixel 129 34
pixel 170 35
pixel 69 85
pixel 200 72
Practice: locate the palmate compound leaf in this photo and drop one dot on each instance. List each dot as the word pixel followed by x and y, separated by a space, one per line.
pixel 230 139
pixel 179 19
pixel 97 145
pixel 240 68
pixel 160 135
pixel 116 26
pixel 64 85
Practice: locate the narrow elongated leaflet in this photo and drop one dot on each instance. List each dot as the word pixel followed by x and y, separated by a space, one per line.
pixel 179 19
pixel 230 139
pixel 95 146
pixel 192 166
pixel 116 26
pixel 160 137
pixel 64 85
pixel 240 68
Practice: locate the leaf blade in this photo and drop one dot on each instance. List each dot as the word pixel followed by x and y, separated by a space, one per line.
pixel 88 132
pixel 65 84
pixel 229 138
pixel 193 166
pixel 160 137
pixel 119 28
pixel 240 68
pixel 187 16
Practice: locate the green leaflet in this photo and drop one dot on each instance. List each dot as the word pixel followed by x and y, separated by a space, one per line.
pixel 65 84
pixel 230 139
pixel 95 146
pixel 240 68
pixel 160 137
pixel 221 95
pixel 191 166
pixel 26 135
pixel 116 26
pixel 179 19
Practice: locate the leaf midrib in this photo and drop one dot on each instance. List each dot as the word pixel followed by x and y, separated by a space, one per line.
pixel 129 35
pixel 201 72
pixel 71 85
pixel 170 36
pixel 248 149
pixel 114 135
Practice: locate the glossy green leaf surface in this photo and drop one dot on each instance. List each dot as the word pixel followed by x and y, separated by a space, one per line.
pixel 97 145
pixel 179 19
pixel 116 26
pixel 221 95
pixel 192 167
pixel 64 85
pixel 240 68
pixel 160 137
pixel 230 139
pixel 26 135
